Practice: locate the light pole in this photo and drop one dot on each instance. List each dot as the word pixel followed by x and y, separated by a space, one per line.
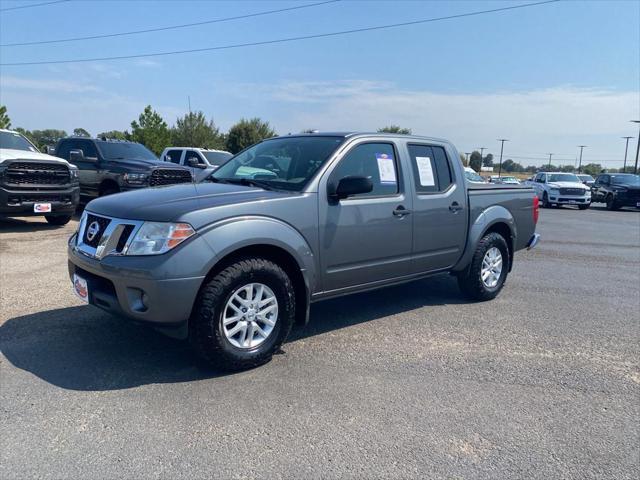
pixel 467 155
pixel 626 148
pixel 635 169
pixel 550 161
pixel 580 161
pixel 501 140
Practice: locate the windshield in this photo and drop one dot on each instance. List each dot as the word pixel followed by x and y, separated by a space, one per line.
pixel 633 180
pixel 217 158
pixel 287 163
pixel 586 178
pixel 125 150
pixel 563 177
pixel 509 179
pixel 473 176
pixel 16 142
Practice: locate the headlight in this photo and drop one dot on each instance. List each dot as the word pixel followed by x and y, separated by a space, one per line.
pixel 135 177
pixel 73 173
pixel 155 238
pixel 554 191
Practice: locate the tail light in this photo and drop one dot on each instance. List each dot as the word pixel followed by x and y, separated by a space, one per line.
pixel 536 209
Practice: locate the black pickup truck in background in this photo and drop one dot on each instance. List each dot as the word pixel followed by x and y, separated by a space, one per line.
pixel 617 190
pixel 110 166
pixel 33 183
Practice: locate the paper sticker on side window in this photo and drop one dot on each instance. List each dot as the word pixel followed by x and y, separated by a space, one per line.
pixel 425 171
pixel 386 168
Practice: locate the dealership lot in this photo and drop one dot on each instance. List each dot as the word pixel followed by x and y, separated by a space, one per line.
pixel 413 380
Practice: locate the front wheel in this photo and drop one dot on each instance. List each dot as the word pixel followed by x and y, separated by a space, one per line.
pixel 611 203
pixel 58 219
pixel 584 207
pixel 488 271
pixel 545 200
pixel 243 315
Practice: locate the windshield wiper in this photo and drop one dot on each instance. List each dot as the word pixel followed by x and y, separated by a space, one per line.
pixel 247 181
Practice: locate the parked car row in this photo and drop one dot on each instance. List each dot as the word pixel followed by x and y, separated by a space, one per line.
pixel 78 168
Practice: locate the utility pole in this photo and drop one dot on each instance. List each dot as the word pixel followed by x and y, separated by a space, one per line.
pixel 467 155
pixel 550 161
pixel 580 161
pixel 626 148
pixel 501 140
pixel 635 169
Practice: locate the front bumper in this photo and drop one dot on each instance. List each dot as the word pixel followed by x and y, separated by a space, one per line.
pixel 142 288
pixel 19 202
pixel 570 199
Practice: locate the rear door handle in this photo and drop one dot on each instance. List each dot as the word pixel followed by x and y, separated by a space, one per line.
pixel 455 207
pixel 400 211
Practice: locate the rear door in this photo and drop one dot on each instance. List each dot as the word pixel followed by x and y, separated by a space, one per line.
pixel 365 238
pixel 440 209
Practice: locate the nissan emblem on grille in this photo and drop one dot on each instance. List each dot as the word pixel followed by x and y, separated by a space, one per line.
pixel 93 230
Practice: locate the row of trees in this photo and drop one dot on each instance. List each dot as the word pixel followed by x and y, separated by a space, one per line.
pixel 194 130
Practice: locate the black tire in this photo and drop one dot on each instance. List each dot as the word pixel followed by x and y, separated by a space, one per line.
pixel 471 283
pixel 584 207
pixel 109 191
pixel 58 219
pixel 545 200
pixel 611 203
pixel 206 333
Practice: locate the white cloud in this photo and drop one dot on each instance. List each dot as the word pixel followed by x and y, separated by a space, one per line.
pixel 47 85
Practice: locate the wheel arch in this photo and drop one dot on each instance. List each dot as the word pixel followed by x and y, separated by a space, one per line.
pixel 106 184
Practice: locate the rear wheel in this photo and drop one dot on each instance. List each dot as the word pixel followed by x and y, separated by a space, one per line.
pixel 243 315
pixel 488 271
pixel 57 219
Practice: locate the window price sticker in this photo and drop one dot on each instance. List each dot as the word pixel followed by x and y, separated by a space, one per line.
pixel 425 171
pixel 386 168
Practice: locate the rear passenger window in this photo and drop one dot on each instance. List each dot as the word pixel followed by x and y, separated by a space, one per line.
pixel 431 168
pixel 376 161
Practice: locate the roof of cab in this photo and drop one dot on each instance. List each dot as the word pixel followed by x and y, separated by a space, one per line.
pixel 364 134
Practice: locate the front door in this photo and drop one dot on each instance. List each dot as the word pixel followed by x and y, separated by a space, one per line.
pixel 365 238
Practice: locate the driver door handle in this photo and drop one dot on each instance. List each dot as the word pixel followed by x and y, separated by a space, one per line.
pixel 455 207
pixel 400 211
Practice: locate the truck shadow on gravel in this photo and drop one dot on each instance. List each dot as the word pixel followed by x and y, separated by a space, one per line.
pixel 83 348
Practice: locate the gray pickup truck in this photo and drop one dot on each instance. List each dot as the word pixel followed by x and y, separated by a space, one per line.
pixel 233 263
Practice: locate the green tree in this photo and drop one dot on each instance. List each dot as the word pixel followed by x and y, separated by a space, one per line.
pixel 508 165
pixel 81 132
pixel 487 161
pixel 246 133
pixel 151 130
pixel 116 135
pixel 395 129
pixel 475 161
pixel 193 130
pixel 43 138
pixel 592 168
pixel 5 121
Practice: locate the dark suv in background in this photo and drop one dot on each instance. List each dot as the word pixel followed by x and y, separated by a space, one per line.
pixel 109 166
pixel 617 190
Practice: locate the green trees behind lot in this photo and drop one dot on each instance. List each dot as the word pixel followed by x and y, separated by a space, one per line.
pixel 115 134
pixel 81 132
pixel 247 132
pixel 5 121
pixel 395 129
pixel 43 138
pixel 151 130
pixel 193 130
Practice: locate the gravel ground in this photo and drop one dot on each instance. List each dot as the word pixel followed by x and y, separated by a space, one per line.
pixel 411 381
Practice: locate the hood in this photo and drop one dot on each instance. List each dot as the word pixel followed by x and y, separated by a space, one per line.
pixel 11 154
pixel 566 184
pixel 143 164
pixel 165 204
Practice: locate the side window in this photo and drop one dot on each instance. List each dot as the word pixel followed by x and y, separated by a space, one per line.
pixel 376 161
pixel 192 155
pixel 431 168
pixel 88 148
pixel 173 156
pixel 542 178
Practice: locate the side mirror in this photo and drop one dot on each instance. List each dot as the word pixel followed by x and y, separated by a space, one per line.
pixel 193 162
pixel 76 156
pixel 353 185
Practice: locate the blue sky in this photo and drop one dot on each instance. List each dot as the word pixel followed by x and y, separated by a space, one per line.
pixel 547 77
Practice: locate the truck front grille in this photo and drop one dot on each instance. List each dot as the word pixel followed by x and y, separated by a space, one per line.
pixel 23 173
pixel 572 191
pixel 100 236
pixel 166 176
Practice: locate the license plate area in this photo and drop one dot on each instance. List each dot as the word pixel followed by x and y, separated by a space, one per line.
pixel 81 288
pixel 42 207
